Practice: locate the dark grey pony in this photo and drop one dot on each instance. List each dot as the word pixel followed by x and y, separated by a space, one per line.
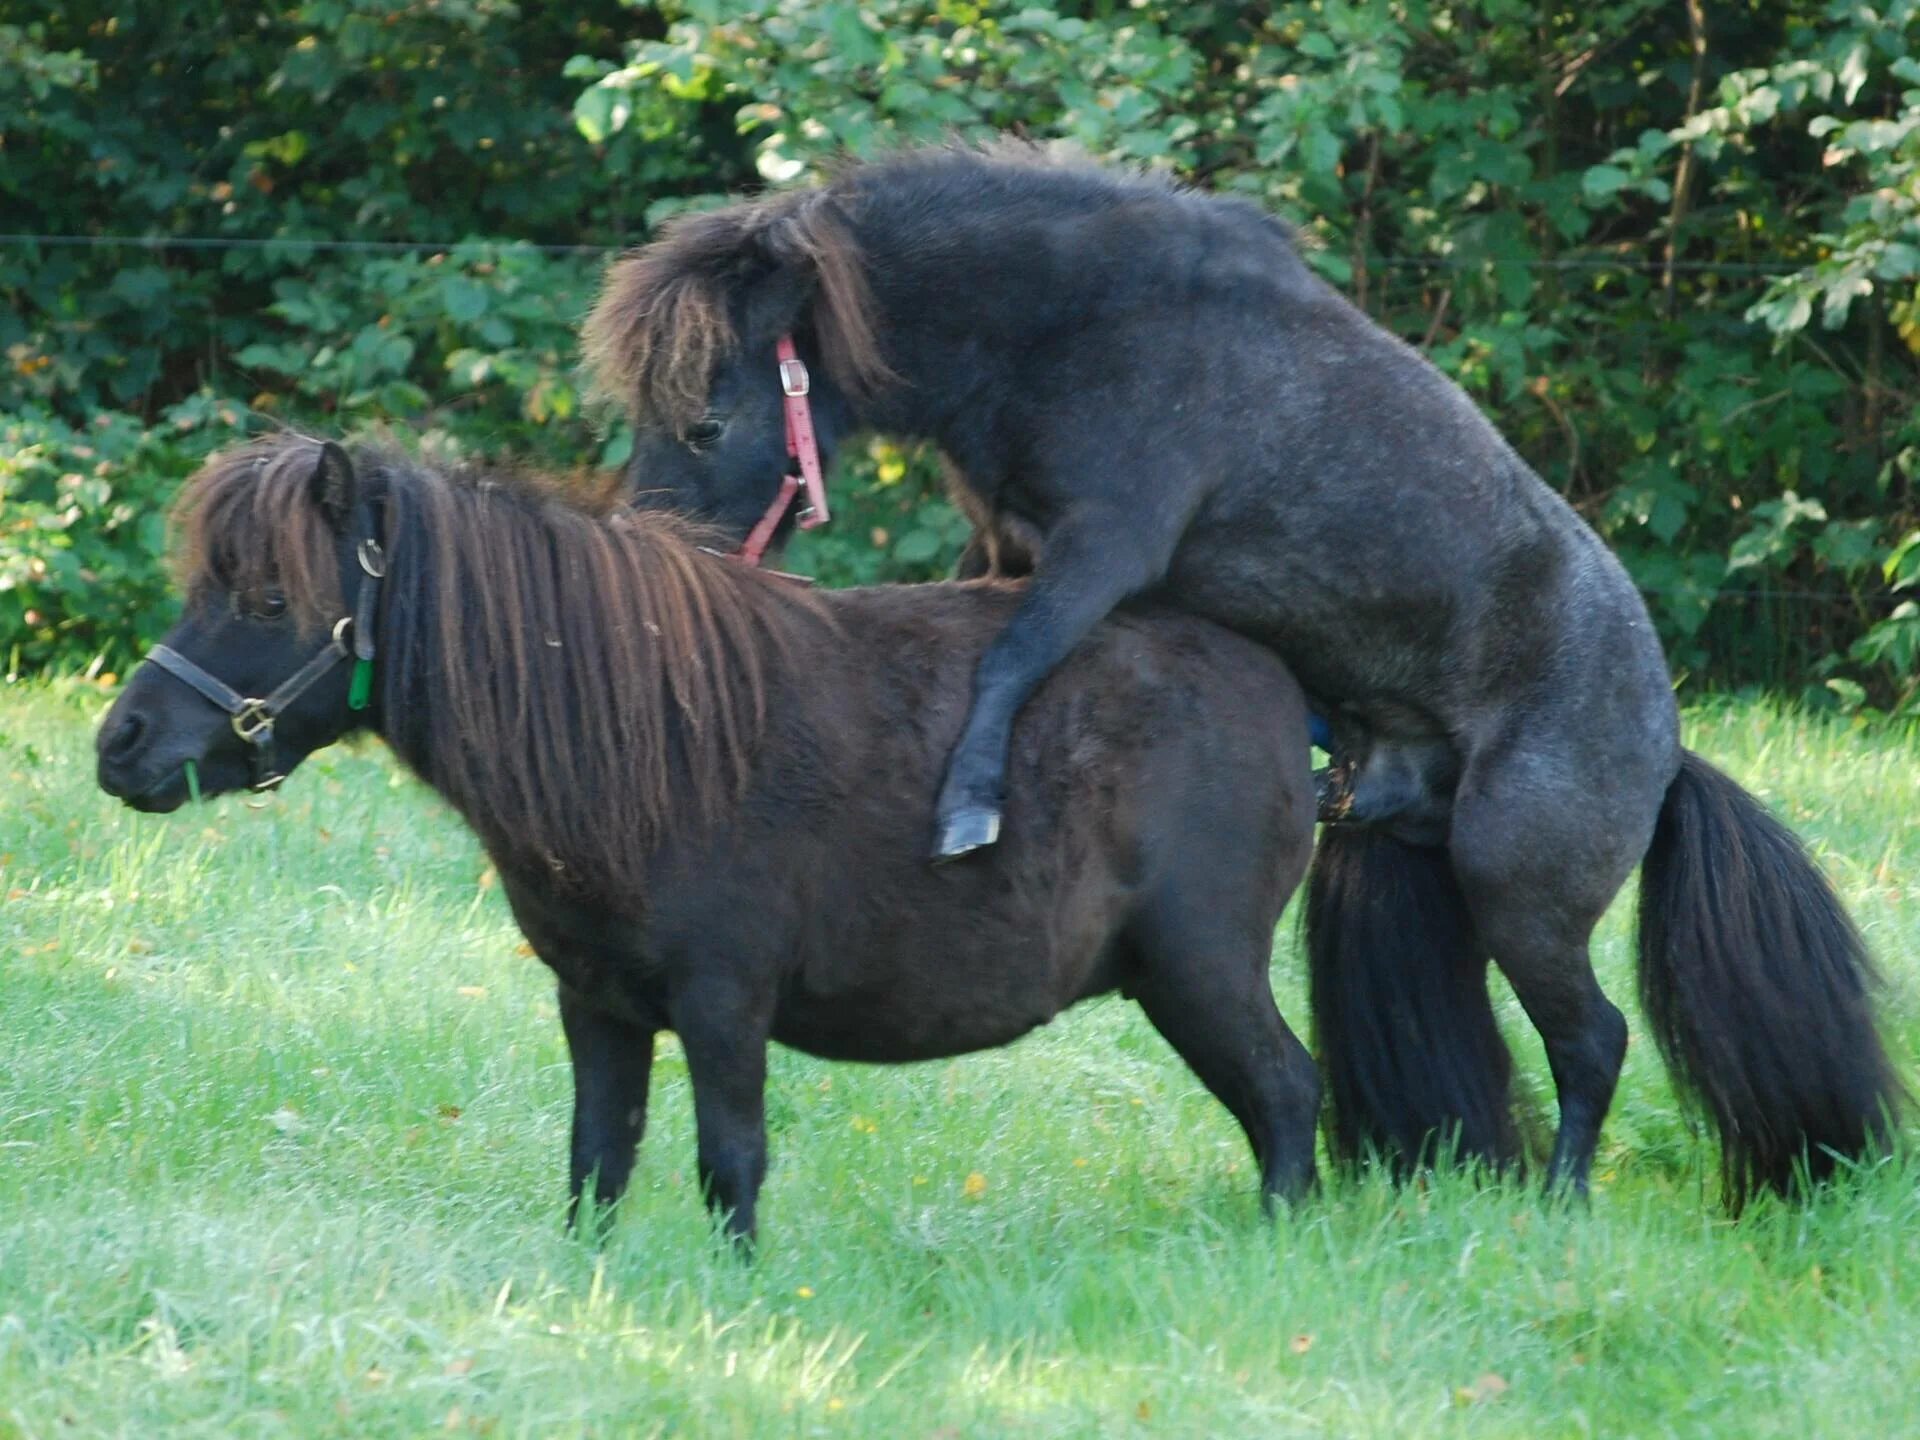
pixel 1147 391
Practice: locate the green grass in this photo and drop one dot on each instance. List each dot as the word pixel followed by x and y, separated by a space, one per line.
pixel 282 1114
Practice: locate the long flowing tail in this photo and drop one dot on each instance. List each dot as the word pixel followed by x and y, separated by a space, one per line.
pixel 1757 987
pixel 1416 1066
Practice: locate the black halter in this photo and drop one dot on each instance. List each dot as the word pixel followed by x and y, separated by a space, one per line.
pixel 253 718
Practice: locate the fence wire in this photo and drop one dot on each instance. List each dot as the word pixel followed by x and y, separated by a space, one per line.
pixel 1753 268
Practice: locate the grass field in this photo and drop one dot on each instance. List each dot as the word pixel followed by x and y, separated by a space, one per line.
pixel 283 1104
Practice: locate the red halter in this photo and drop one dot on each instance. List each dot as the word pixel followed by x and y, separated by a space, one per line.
pixel 801 447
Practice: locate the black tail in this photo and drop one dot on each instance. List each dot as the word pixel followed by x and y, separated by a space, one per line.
pixel 1757 988
pixel 1416 1066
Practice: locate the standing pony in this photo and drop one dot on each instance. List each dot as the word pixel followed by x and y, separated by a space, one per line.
pixel 1148 391
pixel 699 786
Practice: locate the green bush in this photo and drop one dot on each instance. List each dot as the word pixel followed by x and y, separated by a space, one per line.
pixel 81 540
pixel 1672 249
pixel 123 364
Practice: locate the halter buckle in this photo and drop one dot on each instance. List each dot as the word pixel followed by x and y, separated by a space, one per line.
pixel 794 380
pixel 254 724
pixel 372 558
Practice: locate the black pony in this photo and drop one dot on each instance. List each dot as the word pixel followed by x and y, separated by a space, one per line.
pixel 1145 390
pixel 699 784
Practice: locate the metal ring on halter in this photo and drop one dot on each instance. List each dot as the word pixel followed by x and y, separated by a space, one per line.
pixel 372 558
pixel 342 628
pixel 254 724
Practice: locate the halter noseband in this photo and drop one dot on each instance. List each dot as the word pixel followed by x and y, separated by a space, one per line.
pixel 802 448
pixel 252 718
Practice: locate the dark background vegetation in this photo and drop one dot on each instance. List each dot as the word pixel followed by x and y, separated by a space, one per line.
pixel 1669 246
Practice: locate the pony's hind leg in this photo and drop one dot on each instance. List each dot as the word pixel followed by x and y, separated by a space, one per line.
pixel 1584 1032
pixel 1209 997
pixel 1539 860
pixel 612 1063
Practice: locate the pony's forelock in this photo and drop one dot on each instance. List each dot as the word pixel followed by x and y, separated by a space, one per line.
pixel 247 523
pixel 665 319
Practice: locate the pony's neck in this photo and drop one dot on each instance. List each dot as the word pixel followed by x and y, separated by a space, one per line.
pixel 947 385
pixel 578 688
pixel 953 335
pixel 414 673
pixel 988 275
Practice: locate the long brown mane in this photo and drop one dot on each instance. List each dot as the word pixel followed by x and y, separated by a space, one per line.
pixel 666 313
pixel 573 677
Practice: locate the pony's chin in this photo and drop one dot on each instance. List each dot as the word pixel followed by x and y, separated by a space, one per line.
pixel 162 795
pixel 168 797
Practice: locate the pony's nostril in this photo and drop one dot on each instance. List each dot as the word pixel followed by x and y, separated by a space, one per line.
pixel 125 738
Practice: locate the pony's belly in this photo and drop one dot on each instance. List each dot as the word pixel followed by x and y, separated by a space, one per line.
pixel 883 1038
pixel 928 1009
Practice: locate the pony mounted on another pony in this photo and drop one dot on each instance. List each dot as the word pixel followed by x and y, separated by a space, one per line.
pixel 1144 391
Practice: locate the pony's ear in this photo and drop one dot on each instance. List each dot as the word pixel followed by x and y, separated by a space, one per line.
pixel 779 298
pixel 812 275
pixel 333 485
pixel 786 257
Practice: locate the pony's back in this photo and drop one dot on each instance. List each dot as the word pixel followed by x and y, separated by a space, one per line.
pixel 1164 767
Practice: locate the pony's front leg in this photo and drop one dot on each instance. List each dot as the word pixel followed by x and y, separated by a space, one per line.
pixel 1092 558
pixel 612 1063
pixel 723 1028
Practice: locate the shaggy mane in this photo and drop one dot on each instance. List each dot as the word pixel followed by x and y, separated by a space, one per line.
pixel 574 677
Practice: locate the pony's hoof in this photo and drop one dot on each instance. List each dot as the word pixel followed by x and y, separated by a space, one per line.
pixel 965 831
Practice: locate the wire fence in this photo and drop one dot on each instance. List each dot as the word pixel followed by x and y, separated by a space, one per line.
pixel 1752 268
pixel 286 242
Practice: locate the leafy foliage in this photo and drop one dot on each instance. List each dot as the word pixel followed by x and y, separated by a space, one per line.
pixel 82 530
pixel 1672 249
pixel 200 129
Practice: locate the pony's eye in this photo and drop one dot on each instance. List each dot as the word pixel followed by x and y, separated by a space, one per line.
pixel 703 433
pixel 267 605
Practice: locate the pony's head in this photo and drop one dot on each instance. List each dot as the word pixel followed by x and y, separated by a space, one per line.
pixel 267 547
pixel 684 334
pixel 575 677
